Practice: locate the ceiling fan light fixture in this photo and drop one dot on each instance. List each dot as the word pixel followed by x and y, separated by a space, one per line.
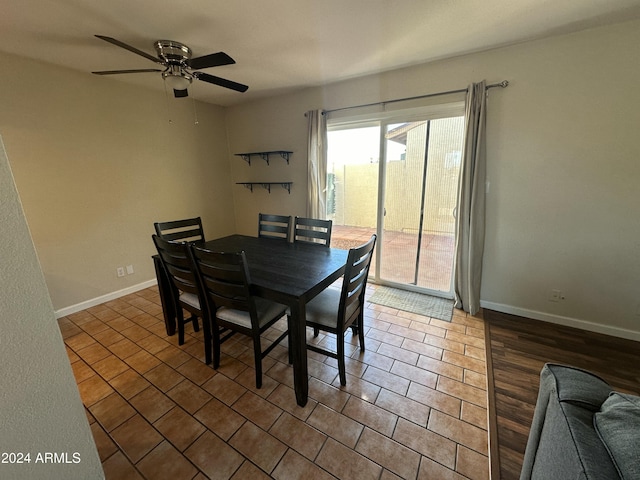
pixel 177 79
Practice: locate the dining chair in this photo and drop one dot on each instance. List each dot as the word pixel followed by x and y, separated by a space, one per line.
pixel 312 230
pixel 187 230
pixel 176 259
pixel 274 226
pixel 226 284
pixel 334 311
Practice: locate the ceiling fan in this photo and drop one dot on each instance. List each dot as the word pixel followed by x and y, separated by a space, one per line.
pixel 179 67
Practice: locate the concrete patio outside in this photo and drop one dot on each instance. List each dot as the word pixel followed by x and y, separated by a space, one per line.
pixel 399 252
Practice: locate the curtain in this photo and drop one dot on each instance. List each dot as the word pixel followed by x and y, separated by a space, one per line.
pixel 471 203
pixel 317 165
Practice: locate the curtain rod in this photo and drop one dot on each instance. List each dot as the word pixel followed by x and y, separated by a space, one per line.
pixel 503 84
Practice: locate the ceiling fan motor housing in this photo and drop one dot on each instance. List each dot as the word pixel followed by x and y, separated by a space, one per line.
pixel 173 52
pixel 175 55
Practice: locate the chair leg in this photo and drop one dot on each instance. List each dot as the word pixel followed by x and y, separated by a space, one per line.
pixel 216 345
pixel 194 320
pixel 361 331
pixel 316 331
pixel 180 327
pixel 289 343
pixel 341 365
pixel 207 341
pixel 257 353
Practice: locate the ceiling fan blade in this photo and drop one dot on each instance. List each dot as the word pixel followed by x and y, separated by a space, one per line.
pixel 205 77
pixel 180 93
pixel 212 60
pixel 120 44
pixel 117 72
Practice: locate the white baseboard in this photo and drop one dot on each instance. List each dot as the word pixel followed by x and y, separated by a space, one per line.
pixel 566 321
pixel 104 298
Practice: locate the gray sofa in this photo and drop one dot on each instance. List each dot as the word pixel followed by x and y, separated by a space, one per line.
pixel 582 429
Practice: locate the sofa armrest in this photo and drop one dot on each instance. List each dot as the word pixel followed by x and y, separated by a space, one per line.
pixel 562 427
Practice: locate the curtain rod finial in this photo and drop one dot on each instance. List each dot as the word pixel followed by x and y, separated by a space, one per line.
pixel 504 83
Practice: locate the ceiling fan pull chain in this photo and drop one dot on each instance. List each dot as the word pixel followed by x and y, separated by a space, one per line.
pixel 195 111
pixel 166 97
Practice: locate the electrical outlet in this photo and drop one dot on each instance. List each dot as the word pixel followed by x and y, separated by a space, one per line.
pixel 120 271
pixel 556 295
pixel 129 269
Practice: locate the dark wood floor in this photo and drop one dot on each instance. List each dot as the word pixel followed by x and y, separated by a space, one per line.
pixel 517 349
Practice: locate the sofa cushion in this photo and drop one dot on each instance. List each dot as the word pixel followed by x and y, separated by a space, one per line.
pixel 618 425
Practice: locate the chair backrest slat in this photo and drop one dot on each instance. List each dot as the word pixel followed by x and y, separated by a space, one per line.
pixel 312 230
pixel 225 280
pixel 187 230
pixel 176 259
pixel 355 279
pixel 274 226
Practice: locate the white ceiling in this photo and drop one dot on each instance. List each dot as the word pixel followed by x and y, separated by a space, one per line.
pixel 282 45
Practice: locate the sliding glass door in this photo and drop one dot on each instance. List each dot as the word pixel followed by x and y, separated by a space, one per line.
pixel 408 198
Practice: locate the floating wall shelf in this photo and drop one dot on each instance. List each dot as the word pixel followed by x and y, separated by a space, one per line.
pixel 266 185
pixel 264 155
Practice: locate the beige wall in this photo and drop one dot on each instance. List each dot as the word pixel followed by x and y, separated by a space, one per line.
pixel 40 404
pixel 96 162
pixel 562 167
pixel 273 124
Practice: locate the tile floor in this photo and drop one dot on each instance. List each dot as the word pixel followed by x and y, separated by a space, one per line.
pixel 415 404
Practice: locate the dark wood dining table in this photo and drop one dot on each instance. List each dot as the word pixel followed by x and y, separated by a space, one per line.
pixel 288 273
